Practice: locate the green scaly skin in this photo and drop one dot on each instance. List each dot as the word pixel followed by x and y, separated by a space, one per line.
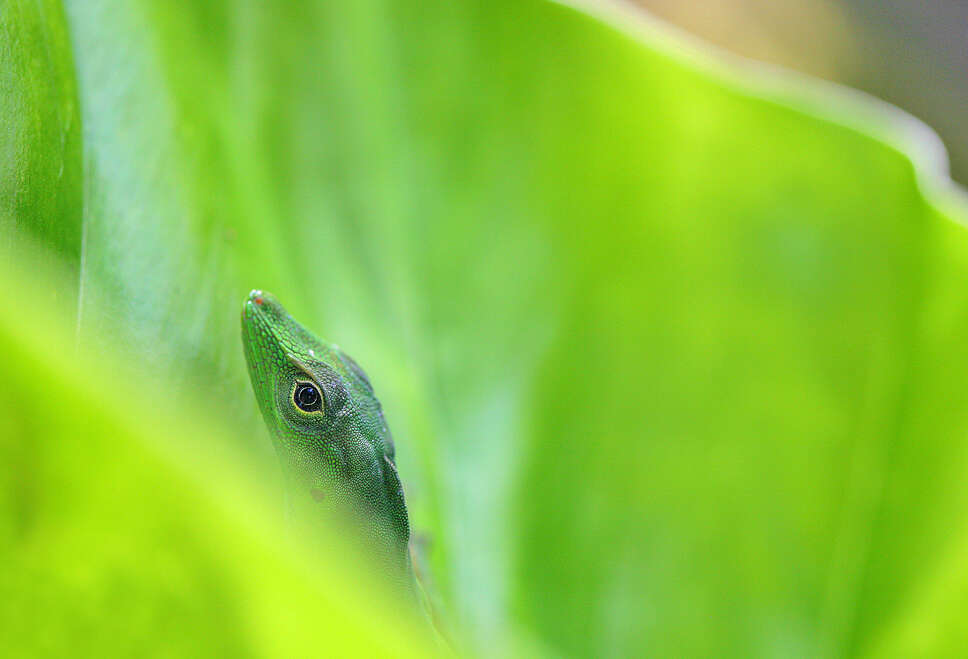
pixel 337 454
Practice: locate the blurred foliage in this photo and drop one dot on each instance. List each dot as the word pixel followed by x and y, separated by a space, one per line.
pixel 813 36
pixel 909 53
pixel 129 524
pixel 673 357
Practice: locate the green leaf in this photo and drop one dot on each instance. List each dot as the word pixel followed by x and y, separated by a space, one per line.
pixel 671 348
pixel 41 179
pixel 130 525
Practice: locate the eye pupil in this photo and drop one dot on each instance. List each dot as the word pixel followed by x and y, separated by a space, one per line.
pixel 306 397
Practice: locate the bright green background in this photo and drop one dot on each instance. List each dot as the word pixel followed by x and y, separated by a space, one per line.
pixel 675 364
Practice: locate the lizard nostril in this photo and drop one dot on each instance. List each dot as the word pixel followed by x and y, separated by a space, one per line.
pixel 258 300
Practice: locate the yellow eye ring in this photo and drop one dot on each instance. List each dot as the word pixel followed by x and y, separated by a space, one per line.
pixel 307 397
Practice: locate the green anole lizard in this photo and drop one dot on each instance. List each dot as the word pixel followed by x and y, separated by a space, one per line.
pixel 328 430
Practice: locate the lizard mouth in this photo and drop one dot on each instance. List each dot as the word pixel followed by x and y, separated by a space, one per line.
pixel 266 321
pixel 251 313
pixel 262 309
pixel 259 320
pixel 258 303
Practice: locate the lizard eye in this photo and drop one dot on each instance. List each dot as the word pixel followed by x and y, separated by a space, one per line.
pixel 307 397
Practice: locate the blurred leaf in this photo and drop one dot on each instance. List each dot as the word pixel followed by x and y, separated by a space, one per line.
pixel 40 180
pixel 129 525
pixel 672 354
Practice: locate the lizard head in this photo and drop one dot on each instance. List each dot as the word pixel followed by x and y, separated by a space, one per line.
pixel 326 423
